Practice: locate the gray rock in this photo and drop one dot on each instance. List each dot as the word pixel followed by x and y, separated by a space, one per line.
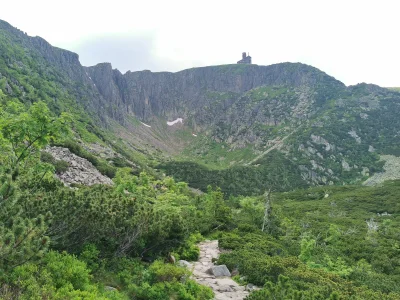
pixel 9 89
pixel 354 134
pixel 250 287
pixel 80 170
pixel 225 288
pixel 219 271
pixel 345 165
pixel 184 263
pixel 321 141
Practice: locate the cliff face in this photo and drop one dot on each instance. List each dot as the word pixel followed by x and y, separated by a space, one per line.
pixel 230 103
pixel 189 94
pixel 186 93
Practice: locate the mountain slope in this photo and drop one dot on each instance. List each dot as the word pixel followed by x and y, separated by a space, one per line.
pixel 284 125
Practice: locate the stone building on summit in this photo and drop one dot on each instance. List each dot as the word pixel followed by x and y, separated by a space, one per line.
pixel 245 59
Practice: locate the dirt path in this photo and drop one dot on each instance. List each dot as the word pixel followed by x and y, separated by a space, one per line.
pixel 224 287
pixel 277 145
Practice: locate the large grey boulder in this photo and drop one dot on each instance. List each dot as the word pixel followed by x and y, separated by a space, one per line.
pixel 219 271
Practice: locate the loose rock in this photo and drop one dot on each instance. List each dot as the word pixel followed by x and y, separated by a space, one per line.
pixel 184 263
pixel 219 271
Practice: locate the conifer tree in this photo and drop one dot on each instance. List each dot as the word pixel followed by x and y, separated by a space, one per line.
pixel 22 134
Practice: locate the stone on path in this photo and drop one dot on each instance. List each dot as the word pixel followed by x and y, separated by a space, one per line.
pixel 184 263
pixel 219 271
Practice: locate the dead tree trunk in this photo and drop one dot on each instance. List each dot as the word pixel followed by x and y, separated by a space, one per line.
pixel 267 211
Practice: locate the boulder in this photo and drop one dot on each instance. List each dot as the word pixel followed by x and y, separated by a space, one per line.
pixel 219 271
pixel 184 263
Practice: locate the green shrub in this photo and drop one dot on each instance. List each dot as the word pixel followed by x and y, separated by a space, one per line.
pixel 106 169
pixel 121 162
pixel 190 251
pixel 47 157
pixel 60 276
pixel 158 282
pixel 61 166
pixel 90 255
pixel 160 271
pixel 171 290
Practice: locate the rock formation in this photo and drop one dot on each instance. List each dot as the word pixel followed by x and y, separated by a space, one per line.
pixel 80 170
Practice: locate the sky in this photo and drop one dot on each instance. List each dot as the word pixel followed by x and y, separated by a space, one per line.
pixel 354 41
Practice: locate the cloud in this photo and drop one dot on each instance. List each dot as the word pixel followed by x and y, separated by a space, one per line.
pixel 130 53
pixel 124 52
pixel 354 41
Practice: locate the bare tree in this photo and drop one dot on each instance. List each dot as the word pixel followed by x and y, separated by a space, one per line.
pixel 267 211
pixel 372 225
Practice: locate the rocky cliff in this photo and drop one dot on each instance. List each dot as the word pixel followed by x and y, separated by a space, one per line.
pixel 182 94
pixel 198 94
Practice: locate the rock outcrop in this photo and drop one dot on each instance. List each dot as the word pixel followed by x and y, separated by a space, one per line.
pixel 391 171
pixel 80 170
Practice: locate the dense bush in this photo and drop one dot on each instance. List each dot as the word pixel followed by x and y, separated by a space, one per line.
pixel 60 166
pixel 274 171
pixel 59 276
pixel 324 245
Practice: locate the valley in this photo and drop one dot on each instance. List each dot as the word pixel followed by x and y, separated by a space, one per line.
pixel 105 176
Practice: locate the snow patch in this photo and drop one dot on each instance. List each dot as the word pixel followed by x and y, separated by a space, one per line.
pixel 179 120
pixel 145 124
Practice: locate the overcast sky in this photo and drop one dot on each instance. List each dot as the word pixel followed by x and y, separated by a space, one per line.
pixel 354 41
